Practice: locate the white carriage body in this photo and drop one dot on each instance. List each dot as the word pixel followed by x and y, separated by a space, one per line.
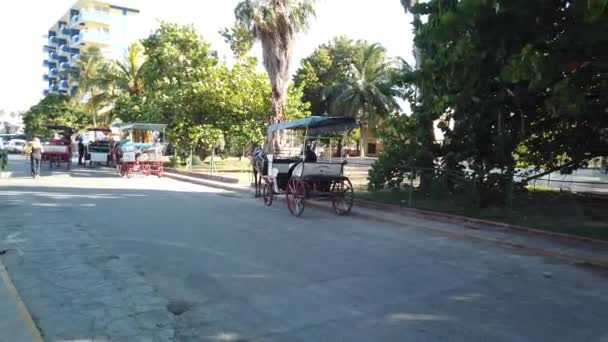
pixel 100 157
pixel 322 169
pixel 55 148
pixel 128 156
pixel 155 156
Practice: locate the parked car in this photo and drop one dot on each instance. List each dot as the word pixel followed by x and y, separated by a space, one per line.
pixel 15 146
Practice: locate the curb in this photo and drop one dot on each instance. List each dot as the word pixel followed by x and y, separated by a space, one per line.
pixel 464 236
pixel 475 223
pixel 24 313
pixel 206 182
pixel 438 217
pixel 203 176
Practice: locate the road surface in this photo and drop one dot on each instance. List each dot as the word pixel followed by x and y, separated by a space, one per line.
pixel 99 257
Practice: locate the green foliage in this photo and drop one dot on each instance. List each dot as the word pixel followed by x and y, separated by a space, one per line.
pixel 95 79
pixel 510 83
pixel 204 102
pixel 239 39
pixel 129 73
pixel 328 65
pixel 55 109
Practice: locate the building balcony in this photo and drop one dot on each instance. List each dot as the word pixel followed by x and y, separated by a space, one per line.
pixel 64 85
pixel 49 48
pixel 65 66
pixel 53 73
pixel 54 88
pixel 65 31
pixel 88 38
pixel 53 41
pixel 90 16
pixel 64 50
pixel 49 63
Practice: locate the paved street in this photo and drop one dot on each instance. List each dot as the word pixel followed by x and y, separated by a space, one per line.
pixel 99 257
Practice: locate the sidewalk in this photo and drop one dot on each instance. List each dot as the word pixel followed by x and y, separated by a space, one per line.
pixel 567 249
pixel 16 324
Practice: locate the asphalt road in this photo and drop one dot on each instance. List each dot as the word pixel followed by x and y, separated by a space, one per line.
pixel 96 256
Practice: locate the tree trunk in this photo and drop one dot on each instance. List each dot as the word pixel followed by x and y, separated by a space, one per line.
pixel 94 112
pixel 275 140
pixel 363 148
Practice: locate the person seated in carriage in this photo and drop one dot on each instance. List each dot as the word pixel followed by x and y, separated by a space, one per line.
pixel 309 154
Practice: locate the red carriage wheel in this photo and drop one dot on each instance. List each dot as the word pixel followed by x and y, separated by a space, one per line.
pixel 295 195
pixel 146 169
pixel 267 193
pixel 342 196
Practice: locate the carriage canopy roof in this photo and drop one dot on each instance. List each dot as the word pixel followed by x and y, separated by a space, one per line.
pixel 65 129
pixel 317 124
pixel 144 126
pixel 98 129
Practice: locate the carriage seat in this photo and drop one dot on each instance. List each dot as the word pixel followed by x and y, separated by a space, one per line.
pixel 320 170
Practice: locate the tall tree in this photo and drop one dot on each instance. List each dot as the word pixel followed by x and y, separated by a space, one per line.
pixel 130 70
pixel 526 96
pixel 55 109
pixel 408 5
pixel 94 81
pixel 367 93
pixel 275 23
pixel 326 66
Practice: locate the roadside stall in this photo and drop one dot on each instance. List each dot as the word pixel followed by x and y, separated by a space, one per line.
pixel 58 149
pixel 141 149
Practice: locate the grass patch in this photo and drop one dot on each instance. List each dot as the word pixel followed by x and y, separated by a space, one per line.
pixel 221 165
pixel 555 211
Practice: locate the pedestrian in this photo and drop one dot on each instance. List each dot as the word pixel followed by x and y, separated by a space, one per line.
pixel 36 157
pixel 3 156
pixel 80 151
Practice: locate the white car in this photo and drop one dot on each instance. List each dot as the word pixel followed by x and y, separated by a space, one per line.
pixel 15 146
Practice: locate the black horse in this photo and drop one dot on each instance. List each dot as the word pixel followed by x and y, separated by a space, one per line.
pixel 258 160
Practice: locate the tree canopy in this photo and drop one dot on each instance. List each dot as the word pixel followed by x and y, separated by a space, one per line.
pixel 510 84
pixel 55 109
pixel 328 65
pixel 173 77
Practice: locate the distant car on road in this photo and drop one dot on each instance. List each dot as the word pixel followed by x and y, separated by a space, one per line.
pixel 15 146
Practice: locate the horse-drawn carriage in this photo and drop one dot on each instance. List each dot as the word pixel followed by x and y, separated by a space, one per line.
pixel 142 150
pixel 304 177
pixel 98 149
pixel 58 149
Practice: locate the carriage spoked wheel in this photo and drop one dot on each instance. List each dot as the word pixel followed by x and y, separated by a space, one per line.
pixel 342 196
pixel 146 169
pixel 267 193
pixel 296 192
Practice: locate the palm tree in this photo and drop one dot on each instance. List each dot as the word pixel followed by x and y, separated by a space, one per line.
pixel 130 70
pixel 275 24
pixel 367 93
pixel 93 81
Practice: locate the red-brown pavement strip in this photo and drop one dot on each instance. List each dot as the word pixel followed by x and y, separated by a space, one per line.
pixel 561 246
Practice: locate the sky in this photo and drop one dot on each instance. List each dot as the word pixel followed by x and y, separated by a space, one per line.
pixel 24 24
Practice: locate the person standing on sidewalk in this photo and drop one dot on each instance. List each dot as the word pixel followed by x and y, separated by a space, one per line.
pixel 36 157
pixel 81 155
pixel 3 156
